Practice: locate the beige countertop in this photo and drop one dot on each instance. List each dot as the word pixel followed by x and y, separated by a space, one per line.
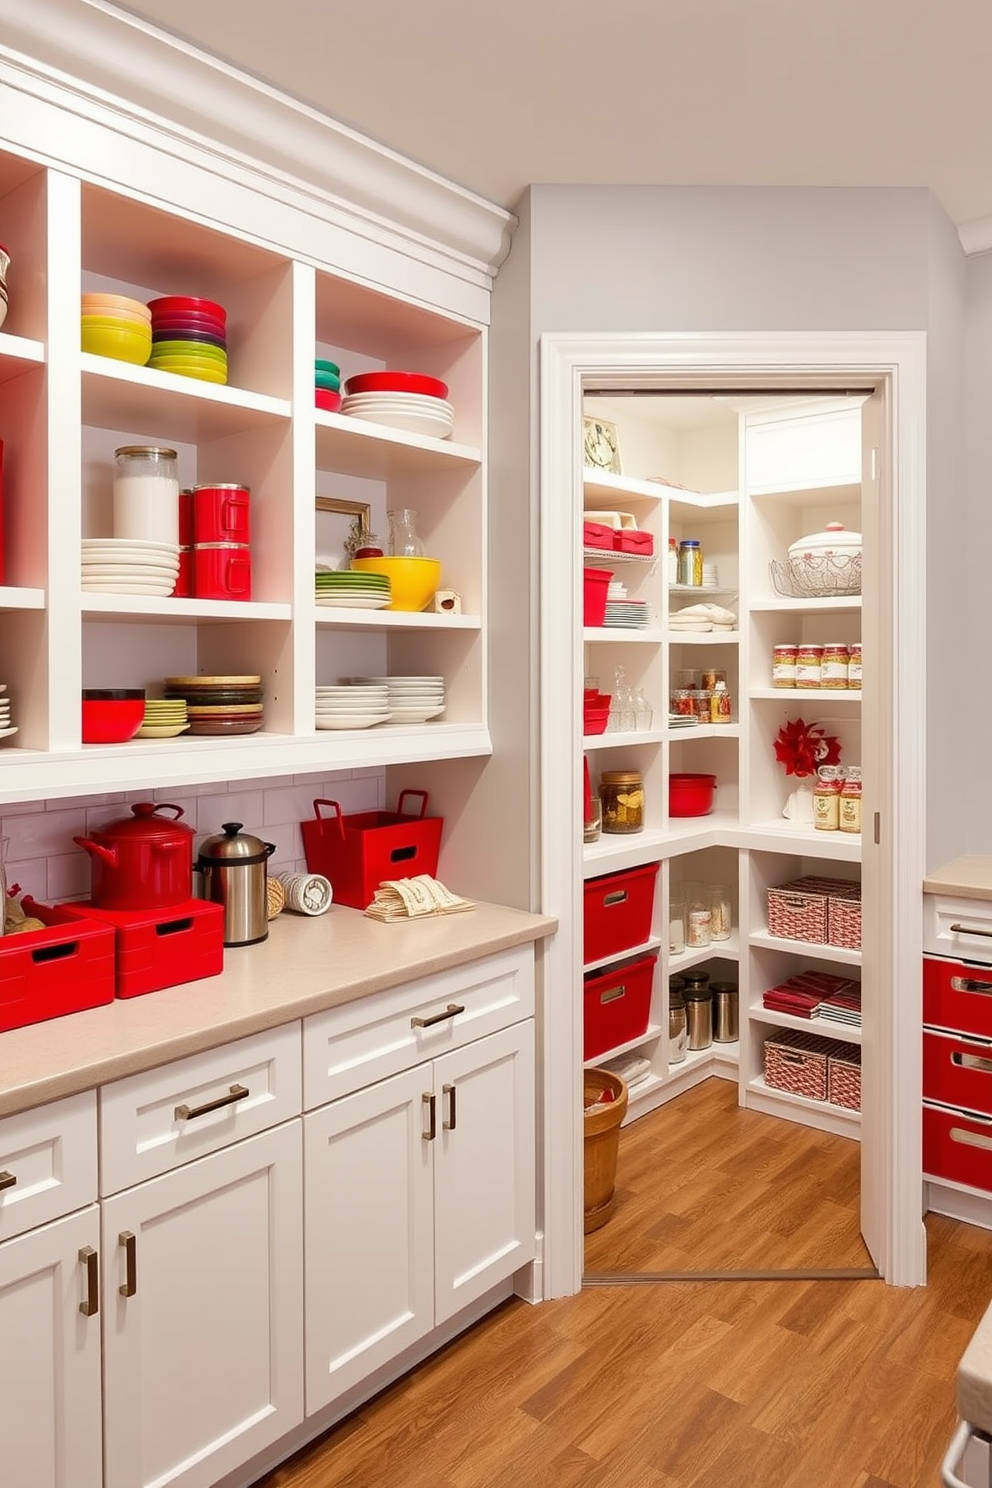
pixel 305 965
pixel 967 877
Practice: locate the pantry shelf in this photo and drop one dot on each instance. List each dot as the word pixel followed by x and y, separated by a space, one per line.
pixel 844 1033
pixel 812 949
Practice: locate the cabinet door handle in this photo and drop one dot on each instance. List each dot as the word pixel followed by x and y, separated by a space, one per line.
pixel 428 1100
pixel 969 984
pixel 7 1180
pixel 130 1286
pixel 190 1113
pixel 451 1011
pixel 90 1304
pixel 452 1121
pixel 969 1139
pixel 970 930
pixel 973 1062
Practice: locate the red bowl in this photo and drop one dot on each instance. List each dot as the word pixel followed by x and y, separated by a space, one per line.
pixel 183 303
pixel 397 382
pixel 185 327
pixel 329 401
pixel 111 715
pixel 691 795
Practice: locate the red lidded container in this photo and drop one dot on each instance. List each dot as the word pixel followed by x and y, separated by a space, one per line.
pixel 141 861
pixel 222 571
pixel 220 514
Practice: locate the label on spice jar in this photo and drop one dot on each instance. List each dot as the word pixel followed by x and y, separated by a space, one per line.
pixel 809 666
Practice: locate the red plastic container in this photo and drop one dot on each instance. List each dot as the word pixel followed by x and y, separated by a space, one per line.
pixel 616 1006
pixel 957 1145
pixel 164 947
pixel 397 382
pixel 222 570
pixel 691 795
pixel 359 852
pixel 221 514
pixel 617 911
pixel 111 715
pixel 62 969
pixel 595 583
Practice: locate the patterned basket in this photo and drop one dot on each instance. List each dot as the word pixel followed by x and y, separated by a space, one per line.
pixel 844 920
pixel 798 911
pixel 844 1078
pixel 797 1062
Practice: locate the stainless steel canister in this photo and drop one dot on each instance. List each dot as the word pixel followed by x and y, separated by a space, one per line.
pixel 725 1012
pixel 234 866
pixel 698 1012
pixel 676 1021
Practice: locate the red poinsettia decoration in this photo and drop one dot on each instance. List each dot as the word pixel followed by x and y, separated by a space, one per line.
pixel 801 747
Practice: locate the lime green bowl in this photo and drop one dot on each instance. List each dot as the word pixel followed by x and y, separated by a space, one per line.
pixel 202 349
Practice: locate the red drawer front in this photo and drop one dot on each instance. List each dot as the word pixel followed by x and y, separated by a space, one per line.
pixel 617 911
pixel 616 1006
pixel 957 1146
pixel 957 1072
pixel 62 969
pixel 957 996
pixel 163 948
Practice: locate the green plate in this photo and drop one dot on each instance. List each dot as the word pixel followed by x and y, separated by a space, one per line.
pixel 333 367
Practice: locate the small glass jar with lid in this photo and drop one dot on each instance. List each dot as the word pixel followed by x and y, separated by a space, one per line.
pixel 621 793
pixel 826 799
pixel 850 800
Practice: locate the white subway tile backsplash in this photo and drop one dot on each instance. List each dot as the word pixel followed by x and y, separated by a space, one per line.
pixel 107 799
pixel 291 804
pixel 28 877
pixel 68 877
pixel 44 833
pixel 246 807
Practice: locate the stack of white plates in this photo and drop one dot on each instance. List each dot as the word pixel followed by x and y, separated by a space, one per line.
pixel 352 706
pixel 126 565
pixel 348 589
pixel 630 614
pixel 411 699
pixel 416 413
pixel 5 727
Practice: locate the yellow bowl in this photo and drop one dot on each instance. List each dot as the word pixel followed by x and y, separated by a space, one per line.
pixel 123 343
pixel 413 581
pixel 119 320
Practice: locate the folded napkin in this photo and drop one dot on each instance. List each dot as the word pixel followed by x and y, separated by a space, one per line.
pixel 414 899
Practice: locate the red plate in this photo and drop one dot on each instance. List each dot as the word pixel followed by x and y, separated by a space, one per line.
pixel 397 382
pixel 190 322
pixel 329 401
pixel 184 303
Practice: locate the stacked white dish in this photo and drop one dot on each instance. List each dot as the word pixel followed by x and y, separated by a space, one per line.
pixel 355 705
pixel 415 413
pixel 5 725
pixel 411 699
pixel 128 565
pixel 624 613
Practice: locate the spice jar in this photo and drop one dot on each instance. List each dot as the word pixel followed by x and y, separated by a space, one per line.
pixel 720 706
pixel 854 665
pixel 809 666
pixel 850 800
pixel 621 793
pixel 784 666
pixel 826 799
pixel 833 671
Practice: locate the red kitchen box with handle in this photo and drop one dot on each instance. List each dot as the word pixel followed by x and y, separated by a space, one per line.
pixel 64 968
pixel 158 948
pixel 359 852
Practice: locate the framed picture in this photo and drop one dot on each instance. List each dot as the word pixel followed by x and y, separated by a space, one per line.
pixel 358 532
pixel 601 445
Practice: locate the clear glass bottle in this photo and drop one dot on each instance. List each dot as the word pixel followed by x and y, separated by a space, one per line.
pixel 643 712
pixel 404 541
pixel 622 718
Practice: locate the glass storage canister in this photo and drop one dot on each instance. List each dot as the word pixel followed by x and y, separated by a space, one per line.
pixel 809 666
pixel 826 799
pixel 690 562
pixel 621 793
pixel 146 494
pixel 850 800
pixel 721 912
pixel 854 665
pixel 834 669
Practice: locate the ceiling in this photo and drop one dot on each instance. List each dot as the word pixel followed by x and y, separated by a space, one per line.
pixel 499 94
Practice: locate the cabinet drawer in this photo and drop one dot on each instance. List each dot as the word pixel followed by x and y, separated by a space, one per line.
pixel 959 928
pixel 352 1046
pixel 165 1117
pixel 957 1071
pixel 957 1145
pixel 957 996
pixel 50 1153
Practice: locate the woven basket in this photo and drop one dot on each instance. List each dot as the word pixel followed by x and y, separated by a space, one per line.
pixel 601 1130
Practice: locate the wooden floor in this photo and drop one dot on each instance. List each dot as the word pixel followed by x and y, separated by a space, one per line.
pixel 713 1384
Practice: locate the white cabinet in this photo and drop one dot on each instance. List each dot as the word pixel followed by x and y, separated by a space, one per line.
pixel 50 1357
pixel 203 1321
pixel 421 1186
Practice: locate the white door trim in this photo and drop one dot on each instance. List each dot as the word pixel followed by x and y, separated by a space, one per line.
pixel 694 362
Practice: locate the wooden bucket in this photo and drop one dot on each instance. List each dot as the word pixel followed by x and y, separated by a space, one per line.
pixel 601 1131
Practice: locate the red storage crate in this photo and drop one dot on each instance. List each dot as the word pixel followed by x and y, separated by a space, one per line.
pixel 62 969
pixel 158 948
pixel 616 1005
pixel 632 540
pixel 957 1072
pixel 359 852
pixel 595 585
pixel 957 996
pixel 617 911
pixel 957 1145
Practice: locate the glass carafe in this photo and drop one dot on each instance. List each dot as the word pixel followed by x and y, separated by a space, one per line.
pixel 403 539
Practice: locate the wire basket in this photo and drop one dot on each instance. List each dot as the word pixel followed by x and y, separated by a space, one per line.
pixel 817 576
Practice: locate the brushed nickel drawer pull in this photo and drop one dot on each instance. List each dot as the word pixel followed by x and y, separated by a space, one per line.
pixel 127 1240
pixel 190 1113
pixel 969 984
pixel 452 1121
pixel 451 1011
pixel 7 1180
pixel 428 1100
pixel 969 1139
pixel 970 930
pixel 90 1304
pixel 973 1062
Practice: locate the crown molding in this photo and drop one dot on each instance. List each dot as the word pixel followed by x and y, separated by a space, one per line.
pixel 100 59
pixel 975 236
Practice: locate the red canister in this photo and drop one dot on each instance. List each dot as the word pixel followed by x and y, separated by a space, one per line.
pixel 222 570
pixel 220 514
pixel 184 578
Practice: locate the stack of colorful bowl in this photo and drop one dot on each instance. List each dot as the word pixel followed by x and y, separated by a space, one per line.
pixel 219 705
pixel 114 326
pixel 402 400
pixel 189 336
pixel 327 380
pixel 165 718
